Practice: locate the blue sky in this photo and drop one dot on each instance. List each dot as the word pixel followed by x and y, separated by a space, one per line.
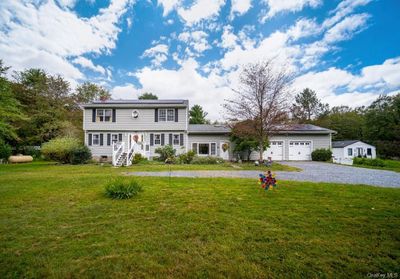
pixel 347 51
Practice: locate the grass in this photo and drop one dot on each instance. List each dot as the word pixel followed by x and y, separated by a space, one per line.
pixel 56 222
pixel 160 166
pixel 392 165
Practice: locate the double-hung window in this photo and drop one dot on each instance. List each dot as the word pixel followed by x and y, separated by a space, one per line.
pixel 103 115
pixel 175 139
pixel 114 138
pixel 350 151
pixel 157 139
pixel 96 139
pixel 166 115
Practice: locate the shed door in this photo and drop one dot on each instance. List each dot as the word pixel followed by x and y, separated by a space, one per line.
pixel 300 150
pixel 275 151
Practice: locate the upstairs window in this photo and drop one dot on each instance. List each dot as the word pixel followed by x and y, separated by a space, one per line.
pixel 166 115
pixel 103 115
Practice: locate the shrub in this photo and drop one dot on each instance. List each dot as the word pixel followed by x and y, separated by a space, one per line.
pixel 165 152
pixel 5 150
pixel 208 160
pixel 137 158
pixel 369 162
pixel 321 155
pixel 186 158
pixel 120 189
pixel 80 155
pixel 32 151
pixel 60 149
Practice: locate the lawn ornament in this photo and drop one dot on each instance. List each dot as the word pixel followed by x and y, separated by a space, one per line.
pixel 267 180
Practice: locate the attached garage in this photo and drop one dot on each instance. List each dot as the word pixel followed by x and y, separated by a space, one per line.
pixel 300 150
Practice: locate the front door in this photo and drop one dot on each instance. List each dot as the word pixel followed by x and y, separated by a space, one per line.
pixel 224 150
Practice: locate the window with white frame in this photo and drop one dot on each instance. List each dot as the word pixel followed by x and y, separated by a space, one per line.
pixel 350 151
pixel 213 149
pixel 114 138
pixel 166 115
pixel 103 115
pixel 157 139
pixel 175 139
pixel 204 149
pixel 162 115
pixel 96 139
pixel 170 115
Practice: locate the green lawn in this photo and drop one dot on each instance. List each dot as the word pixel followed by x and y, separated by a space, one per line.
pixel 56 222
pixel 392 165
pixel 160 166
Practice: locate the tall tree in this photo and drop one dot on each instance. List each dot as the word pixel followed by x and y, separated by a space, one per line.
pixel 308 106
pixel 197 115
pixel 46 100
pixel 261 100
pixel 148 96
pixel 88 92
pixel 10 109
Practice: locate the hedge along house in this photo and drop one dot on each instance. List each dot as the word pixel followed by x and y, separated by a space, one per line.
pixel 115 130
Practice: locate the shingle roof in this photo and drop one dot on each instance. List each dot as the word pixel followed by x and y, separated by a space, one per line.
pixel 135 101
pixel 208 129
pixel 138 103
pixel 289 128
pixel 302 127
pixel 343 143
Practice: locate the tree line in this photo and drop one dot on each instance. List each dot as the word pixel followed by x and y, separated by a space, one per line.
pixel 261 106
pixel 377 124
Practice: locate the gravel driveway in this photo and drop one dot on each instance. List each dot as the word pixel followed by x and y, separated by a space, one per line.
pixel 311 171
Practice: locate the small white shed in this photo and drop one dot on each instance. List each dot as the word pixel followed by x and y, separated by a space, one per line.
pixel 346 150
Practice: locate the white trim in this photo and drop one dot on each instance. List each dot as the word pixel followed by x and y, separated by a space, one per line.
pixel 104 115
pixel 154 139
pixel 97 134
pixel 166 114
pixel 209 148
pixel 179 139
pixel 304 140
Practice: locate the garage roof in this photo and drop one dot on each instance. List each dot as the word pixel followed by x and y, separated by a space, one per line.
pixel 208 129
pixel 343 143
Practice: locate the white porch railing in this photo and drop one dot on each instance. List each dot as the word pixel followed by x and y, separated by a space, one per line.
pixel 130 154
pixel 118 149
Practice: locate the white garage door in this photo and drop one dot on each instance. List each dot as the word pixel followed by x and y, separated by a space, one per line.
pixel 275 151
pixel 300 150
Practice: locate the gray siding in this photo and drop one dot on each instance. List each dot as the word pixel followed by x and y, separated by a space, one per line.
pixel 145 121
pixel 105 150
pixel 317 141
pixel 209 139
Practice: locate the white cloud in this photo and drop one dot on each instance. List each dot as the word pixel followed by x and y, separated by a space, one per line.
pixel 346 28
pixel 197 40
pixel 169 5
pixel 127 91
pixel 279 6
pixel 339 87
pixel 67 3
pixel 186 83
pixel 384 76
pixel 86 63
pixel 158 53
pixel 239 7
pixel 48 35
pixel 201 10
pixel 228 38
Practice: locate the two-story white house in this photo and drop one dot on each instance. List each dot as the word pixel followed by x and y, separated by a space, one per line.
pixel 117 129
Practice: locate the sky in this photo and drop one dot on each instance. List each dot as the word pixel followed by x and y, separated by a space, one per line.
pixel 348 51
